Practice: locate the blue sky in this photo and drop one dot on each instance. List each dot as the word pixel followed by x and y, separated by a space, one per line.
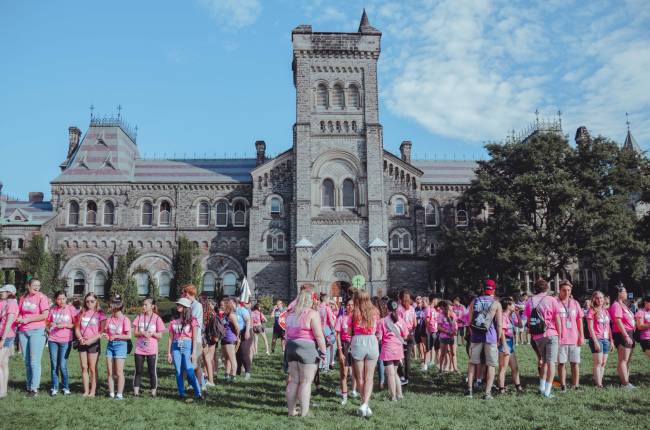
pixel 212 76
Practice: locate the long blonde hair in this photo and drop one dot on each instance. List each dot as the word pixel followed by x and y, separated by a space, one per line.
pixel 364 311
pixel 305 300
pixel 602 303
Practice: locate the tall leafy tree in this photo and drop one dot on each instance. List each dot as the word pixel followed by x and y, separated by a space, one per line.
pixel 123 284
pixel 187 269
pixel 37 262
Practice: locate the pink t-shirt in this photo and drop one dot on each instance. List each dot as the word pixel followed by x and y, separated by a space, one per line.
pixel 391 347
pixel 360 330
pixel 508 323
pixel 90 323
pixel 431 316
pixel 31 305
pixel 327 317
pixel 446 328
pixel 258 318
pixel 601 323
pixel 617 310
pixel 147 324
pixel 342 326
pixel 8 307
pixel 117 327
pixel 180 331
pixel 644 316
pixel 548 308
pixel 297 327
pixel 408 315
pixel 569 317
pixel 61 315
pixel 459 310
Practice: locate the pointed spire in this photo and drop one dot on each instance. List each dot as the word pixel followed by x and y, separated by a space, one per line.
pixel 364 25
pixel 630 142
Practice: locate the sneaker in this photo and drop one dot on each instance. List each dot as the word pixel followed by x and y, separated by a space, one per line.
pixel 54 392
pixel 66 392
pixel 563 388
pixel 468 394
pixel 31 393
pixel 111 395
pixel 425 367
pixel 487 396
pixel 354 394
pixel 478 384
pixel 400 398
pixel 247 376
pixel 363 410
pixel 368 412
pixel 119 397
pixel 344 401
pixel 403 381
pixel 548 396
pixel 629 387
pixel 209 384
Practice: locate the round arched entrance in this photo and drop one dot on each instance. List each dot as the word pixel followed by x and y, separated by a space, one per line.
pixel 339 290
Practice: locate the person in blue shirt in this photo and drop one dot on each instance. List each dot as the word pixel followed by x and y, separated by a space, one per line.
pixel 244 353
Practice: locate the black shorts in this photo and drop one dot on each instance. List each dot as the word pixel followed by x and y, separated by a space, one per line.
pixel 450 341
pixel 278 333
pixel 345 347
pixel 432 338
pixel 420 334
pixel 645 344
pixel 461 331
pixel 619 340
pixel 93 348
pixel 393 362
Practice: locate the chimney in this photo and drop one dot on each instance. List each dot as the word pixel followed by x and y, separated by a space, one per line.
pixel 74 135
pixel 35 197
pixel 405 150
pixel 260 148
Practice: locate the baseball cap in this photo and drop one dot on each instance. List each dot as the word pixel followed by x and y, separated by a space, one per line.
pixel 490 286
pixel 8 288
pixel 183 301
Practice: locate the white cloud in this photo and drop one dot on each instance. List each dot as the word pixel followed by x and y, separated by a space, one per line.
pixel 234 13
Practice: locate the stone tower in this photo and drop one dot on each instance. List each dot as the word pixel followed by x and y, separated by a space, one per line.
pixel 338 155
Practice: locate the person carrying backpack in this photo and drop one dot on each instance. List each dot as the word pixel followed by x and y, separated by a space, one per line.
pixel 543 314
pixel 485 315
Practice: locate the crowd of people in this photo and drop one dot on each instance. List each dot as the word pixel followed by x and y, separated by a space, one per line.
pixel 367 335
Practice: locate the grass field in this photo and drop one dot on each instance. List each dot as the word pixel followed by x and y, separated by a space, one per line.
pixel 431 401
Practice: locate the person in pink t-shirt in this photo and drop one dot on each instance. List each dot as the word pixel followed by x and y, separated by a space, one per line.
pixel 507 356
pixel 392 332
pixel 459 311
pixel 88 327
pixel 183 330
pixel 33 308
pixel 258 319
pixel 364 347
pixel 406 311
pixel 447 331
pixel 148 328
pixel 643 325
pixel 600 335
pixel 572 336
pixel 60 323
pixel 117 331
pixel 8 315
pixel 622 329
pixel 343 338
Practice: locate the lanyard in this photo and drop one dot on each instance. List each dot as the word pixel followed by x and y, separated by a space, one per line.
pixel 150 319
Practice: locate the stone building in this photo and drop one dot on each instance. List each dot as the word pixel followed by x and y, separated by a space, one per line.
pixel 333 206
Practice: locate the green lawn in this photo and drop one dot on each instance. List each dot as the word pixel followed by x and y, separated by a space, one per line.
pixel 431 402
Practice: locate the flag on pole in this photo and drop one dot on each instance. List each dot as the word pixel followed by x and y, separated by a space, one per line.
pixel 245 295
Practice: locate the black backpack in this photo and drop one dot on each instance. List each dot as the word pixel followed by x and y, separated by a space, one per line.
pixel 536 323
pixel 214 330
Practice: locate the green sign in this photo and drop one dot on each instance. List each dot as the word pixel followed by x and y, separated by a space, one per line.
pixel 358 282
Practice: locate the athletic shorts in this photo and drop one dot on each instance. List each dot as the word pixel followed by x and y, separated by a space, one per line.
pixel 258 329
pixel 432 341
pixel 278 333
pixel 345 347
pixel 302 351
pixel 90 349
pixel 619 340
pixel 9 342
pixel 116 349
pixel 570 353
pixel 548 348
pixel 605 346
pixel 391 362
pixel 364 347
pixel 447 341
pixel 420 334
pixel 510 347
pixel 645 344
pixel 490 350
pixel 461 331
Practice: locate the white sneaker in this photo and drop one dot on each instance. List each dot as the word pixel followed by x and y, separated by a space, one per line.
pixel 629 387
pixel 66 392
pixel 111 395
pixel 247 376
pixel 354 394
pixel 209 384
pixel 54 392
pixel 363 410
pixel 344 401
pixel 424 367
pixel 368 412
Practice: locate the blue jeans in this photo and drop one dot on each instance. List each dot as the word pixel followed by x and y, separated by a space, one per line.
pixel 32 343
pixel 182 359
pixel 58 363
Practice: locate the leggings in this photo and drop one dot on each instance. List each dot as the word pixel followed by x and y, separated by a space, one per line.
pixel 405 369
pixel 244 353
pixel 152 360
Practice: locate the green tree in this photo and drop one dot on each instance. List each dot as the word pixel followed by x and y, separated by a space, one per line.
pixel 187 269
pixel 37 262
pixel 123 284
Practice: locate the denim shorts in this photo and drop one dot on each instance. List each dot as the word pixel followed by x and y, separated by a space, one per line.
pixel 9 342
pixel 364 347
pixel 116 349
pixel 510 345
pixel 605 346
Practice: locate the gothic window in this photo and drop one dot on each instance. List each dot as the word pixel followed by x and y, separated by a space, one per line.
pixel 269 242
pixel 8 244
pixel 400 206
pixel 337 96
pixel 21 243
pixel 400 241
pixel 433 248
pixel 109 213
pixel 276 205
pixel 164 281
pixel 406 242
pixel 142 281
pixel 204 214
pixel 330 126
pixel 348 193
pixel 147 214
pixel 222 214
pixel 354 126
pixel 322 126
pixel 322 96
pixel 73 213
pixel 209 283
pixel 165 214
pixel 239 214
pixel 431 215
pixel 461 218
pixel 328 194
pixel 229 284
pixel 338 126
pixel 394 242
pixel 99 284
pixel 280 246
pixel 91 213
pixel 353 97
pixel 79 283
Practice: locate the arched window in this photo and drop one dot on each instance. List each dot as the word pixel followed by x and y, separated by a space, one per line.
pixel 269 242
pixel 79 283
pixel 229 284
pixel 461 218
pixel 165 214
pixel 353 97
pixel 73 213
pixel 276 205
pixel 164 281
pixel 209 283
pixel 322 96
pixel 222 214
pixel 147 213
pixel 8 244
pixel 400 206
pixel 394 242
pixel 280 242
pixel 431 215
pixel 142 281
pixel 348 193
pixel 406 242
pixel 433 248
pixel 91 213
pixel 204 214
pixel 109 213
pixel 328 194
pixel 337 97
pixel 400 241
pixel 21 243
pixel 99 284
pixel 239 214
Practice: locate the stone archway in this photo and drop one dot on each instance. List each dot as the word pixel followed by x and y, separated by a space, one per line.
pixel 339 291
